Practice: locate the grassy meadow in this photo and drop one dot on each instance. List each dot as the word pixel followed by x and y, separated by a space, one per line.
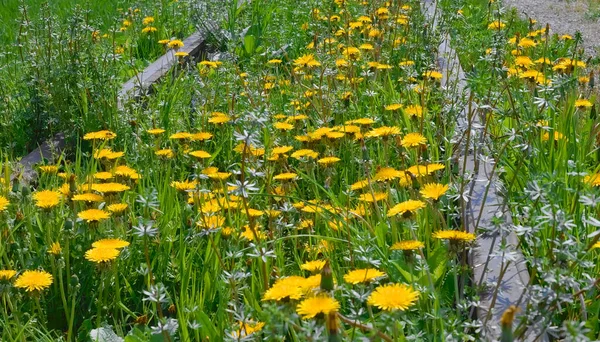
pixel 304 185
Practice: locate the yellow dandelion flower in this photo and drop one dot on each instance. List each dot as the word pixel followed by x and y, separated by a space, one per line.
pixel 126 171
pixel 250 234
pixel 180 136
pixel 110 243
pixel 255 212
pixel 211 64
pixel 556 136
pixel 100 135
pixel 155 131
pixel 65 190
pixel 103 153
pixel 210 222
pixel 246 329
pixel 328 161
pixel 414 111
pixel 46 199
pixel 103 175
pixel 313 306
pixel 313 266
pixel 392 297
pixel 110 187
pixel 184 185
pixel 285 288
pixel 383 131
pixel 200 154
pixel 7 274
pixel 165 153
pixel 434 191
pixel 311 283
pixel 219 119
pixel 394 106
pixel 361 122
pixel 305 153
pixel 284 126
pixel 117 208
pixel 425 170
pixel 583 103
pixel 373 197
pixel 407 245
pixel 386 174
pixel 307 60
pixel 93 215
pixel 101 255
pixel 406 208
pixel 201 136
pixel 149 29
pixel 148 20
pixel 55 248
pixel 496 25
pixel 362 276
pixel 523 61
pixel 286 176
pixel 432 74
pixel 175 44
pixel 4 202
pixel 219 175
pixel 87 197
pixel 413 140
pixel 49 168
pixel 359 185
pixel 281 150
pixel 454 235
pixel 527 43
pixel 32 281
pixel 366 47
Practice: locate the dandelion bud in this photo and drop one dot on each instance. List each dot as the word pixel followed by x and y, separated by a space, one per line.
pixel 72 184
pixel 25 190
pixel 75 281
pixel 68 225
pixel 326 277
pixel 19 217
pixel 506 323
pixel 141 320
pixel 332 327
pixel 15 185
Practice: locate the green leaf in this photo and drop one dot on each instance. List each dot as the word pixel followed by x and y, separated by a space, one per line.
pixel 437 262
pixel 249 44
pixel 208 329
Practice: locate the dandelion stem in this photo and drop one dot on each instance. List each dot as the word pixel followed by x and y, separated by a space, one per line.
pixel 365 327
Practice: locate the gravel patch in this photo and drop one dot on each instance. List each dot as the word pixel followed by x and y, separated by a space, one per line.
pixel 565 17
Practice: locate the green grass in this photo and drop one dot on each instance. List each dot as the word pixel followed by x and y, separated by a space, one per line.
pixel 65 71
pixel 103 14
pixel 216 277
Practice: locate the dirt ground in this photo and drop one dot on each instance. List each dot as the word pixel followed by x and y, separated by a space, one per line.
pixel 565 17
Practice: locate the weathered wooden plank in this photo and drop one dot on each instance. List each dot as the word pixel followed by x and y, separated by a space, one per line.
pixel 49 150
pixel 143 81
